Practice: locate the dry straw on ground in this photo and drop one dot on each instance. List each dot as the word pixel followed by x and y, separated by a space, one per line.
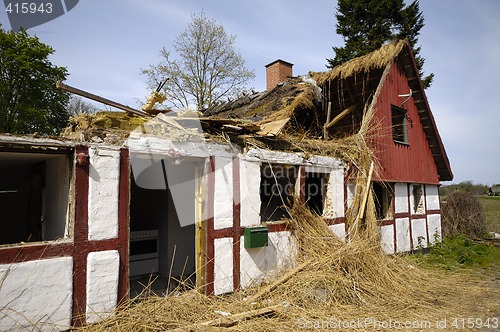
pixel 343 281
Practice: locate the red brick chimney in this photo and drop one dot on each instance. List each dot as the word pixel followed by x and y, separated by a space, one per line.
pixel 277 72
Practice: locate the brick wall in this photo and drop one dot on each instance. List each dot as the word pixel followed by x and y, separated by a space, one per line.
pixel 277 72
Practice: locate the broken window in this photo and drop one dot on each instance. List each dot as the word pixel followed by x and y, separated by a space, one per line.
pixel 418 199
pixel 399 130
pixel 383 200
pixel 315 190
pixel 277 187
pixel 34 191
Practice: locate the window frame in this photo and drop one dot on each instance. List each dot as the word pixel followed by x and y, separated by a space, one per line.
pixel 399 114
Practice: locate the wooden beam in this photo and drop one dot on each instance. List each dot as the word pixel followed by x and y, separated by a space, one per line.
pixel 100 99
pixel 339 117
pixel 365 196
pixel 328 114
pixel 232 319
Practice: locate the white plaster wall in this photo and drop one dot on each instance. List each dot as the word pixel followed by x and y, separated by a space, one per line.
pixel 401 197
pixel 338 230
pixel 36 295
pixel 223 195
pixel 223 265
pixel 403 235
pixel 104 176
pixel 102 284
pixel 249 193
pixel 387 238
pixel 258 263
pixel 432 197
pixel 434 224
pixel 334 201
pixel 419 230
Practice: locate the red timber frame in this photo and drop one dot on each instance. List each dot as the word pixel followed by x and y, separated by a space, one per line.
pixel 236 231
pixel 409 215
pixel 80 246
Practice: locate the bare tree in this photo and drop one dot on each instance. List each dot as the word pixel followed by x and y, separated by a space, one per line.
pixel 207 68
pixel 77 106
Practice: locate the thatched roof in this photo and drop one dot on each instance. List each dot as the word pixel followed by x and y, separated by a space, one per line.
pixel 357 82
pixel 378 59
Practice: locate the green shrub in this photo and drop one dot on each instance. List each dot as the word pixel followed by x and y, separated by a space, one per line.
pixel 460 251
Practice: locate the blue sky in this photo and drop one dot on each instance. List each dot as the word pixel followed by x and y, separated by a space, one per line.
pixel 104 45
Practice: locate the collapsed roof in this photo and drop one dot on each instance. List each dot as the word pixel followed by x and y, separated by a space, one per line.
pixel 302 110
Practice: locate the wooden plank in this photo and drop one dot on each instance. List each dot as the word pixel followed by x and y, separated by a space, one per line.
pixel 279 281
pixel 273 127
pixel 232 319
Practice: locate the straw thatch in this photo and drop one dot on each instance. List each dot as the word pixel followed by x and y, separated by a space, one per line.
pixel 377 59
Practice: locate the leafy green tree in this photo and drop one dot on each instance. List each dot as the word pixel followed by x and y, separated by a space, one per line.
pixel 367 24
pixel 208 66
pixel 29 100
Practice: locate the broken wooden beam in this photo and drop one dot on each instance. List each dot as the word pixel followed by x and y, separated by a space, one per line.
pixel 339 117
pixel 100 99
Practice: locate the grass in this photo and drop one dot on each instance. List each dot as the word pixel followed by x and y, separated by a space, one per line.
pixel 459 252
pixel 491 206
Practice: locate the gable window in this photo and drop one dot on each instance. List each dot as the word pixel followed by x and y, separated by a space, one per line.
pixel 383 200
pixel 399 129
pixel 277 187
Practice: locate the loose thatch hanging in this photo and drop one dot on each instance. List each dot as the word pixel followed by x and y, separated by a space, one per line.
pixel 376 59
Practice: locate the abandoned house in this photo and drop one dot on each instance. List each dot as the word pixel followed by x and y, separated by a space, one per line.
pixel 203 199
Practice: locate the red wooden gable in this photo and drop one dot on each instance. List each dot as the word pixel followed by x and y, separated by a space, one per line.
pixel 387 76
pixel 398 162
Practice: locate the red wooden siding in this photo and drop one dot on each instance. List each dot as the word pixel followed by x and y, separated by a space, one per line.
pixel 399 162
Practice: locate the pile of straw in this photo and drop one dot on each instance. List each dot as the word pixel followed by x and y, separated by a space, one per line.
pixel 341 281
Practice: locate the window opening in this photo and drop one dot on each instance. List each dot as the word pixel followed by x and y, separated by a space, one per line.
pixel 315 189
pixel 34 196
pixel 277 187
pixel 399 129
pixel 418 199
pixel 383 200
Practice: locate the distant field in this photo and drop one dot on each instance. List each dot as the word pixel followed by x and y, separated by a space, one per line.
pixel 492 209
